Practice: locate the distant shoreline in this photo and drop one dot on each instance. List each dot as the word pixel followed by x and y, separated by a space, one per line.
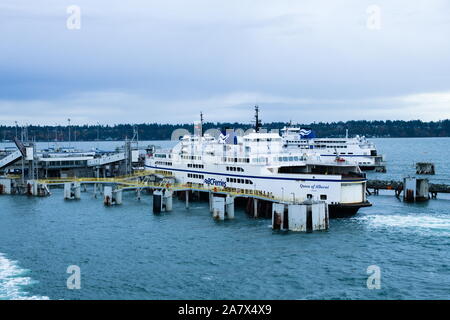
pixel 167 140
pixel 158 132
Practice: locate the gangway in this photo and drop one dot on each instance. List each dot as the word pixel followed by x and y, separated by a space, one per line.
pixel 106 159
pixel 10 158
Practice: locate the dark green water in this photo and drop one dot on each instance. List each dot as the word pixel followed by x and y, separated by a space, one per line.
pixel 126 252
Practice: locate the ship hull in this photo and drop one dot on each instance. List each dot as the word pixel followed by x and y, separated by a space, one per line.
pixel 345 210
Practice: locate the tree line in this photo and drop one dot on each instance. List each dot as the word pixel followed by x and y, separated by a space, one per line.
pixel 156 131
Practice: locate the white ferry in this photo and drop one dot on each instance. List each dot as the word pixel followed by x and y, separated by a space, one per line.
pixel 258 164
pixel 356 149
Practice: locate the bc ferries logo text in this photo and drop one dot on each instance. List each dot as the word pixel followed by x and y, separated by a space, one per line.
pixel 214 182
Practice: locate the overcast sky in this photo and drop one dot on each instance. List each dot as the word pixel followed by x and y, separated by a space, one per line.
pixel 165 61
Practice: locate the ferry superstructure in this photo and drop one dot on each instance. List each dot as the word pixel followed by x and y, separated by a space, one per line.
pixel 258 163
pixel 355 149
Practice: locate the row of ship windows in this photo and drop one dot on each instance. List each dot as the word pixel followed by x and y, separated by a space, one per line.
pixel 330 141
pixel 297 141
pixel 325 146
pixel 293 158
pixel 280 159
pixel 236 180
pixel 242 160
pixel 262 139
pixel 239 169
pixel 163 163
pixel 195 165
pixel 195 176
pixel 186 157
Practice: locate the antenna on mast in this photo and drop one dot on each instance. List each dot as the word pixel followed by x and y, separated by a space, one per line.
pixel 201 123
pixel 198 126
pixel 257 121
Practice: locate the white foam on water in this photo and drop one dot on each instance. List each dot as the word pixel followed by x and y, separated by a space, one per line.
pixel 13 281
pixel 430 225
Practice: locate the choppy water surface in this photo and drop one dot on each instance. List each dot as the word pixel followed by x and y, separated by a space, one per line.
pixel 126 252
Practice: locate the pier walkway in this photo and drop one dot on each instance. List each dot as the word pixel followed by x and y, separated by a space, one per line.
pixel 397 186
pixel 140 180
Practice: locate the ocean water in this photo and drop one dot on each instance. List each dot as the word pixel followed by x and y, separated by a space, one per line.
pixel 127 252
pixel 402 154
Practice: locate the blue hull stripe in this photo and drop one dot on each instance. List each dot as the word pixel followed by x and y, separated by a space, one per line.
pixel 253 177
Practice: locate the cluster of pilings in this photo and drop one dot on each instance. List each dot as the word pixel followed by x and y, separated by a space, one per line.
pixel 425 168
pixel 221 207
pixel 258 208
pixel 112 195
pixel 415 189
pixel 72 191
pixel 162 200
pixel 29 187
pixel 307 216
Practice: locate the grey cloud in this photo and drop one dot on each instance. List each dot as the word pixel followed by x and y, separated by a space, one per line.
pixel 297 58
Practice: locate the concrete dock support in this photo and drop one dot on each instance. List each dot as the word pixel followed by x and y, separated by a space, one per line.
pixel 277 216
pixel 111 196
pixel 255 208
pixel 219 208
pixel 187 199
pixel 117 196
pixel 32 188
pixel 72 190
pixel 138 193
pixel 422 190
pixel 305 217
pixel 168 200
pixel 5 186
pixel 210 195
pixel 229 207
pixel 415 189
pixel 107 195
pixel 162 201
pixel 157 201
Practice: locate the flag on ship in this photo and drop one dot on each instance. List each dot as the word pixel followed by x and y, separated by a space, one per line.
pixel 307 134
